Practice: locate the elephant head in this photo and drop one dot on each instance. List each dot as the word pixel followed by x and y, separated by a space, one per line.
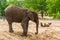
pixel 30 15
pixel 36 20
pixel 34 17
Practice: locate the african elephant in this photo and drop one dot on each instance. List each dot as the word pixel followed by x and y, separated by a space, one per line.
pixel 14 13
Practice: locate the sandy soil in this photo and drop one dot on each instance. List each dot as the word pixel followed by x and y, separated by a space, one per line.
pixel 45 33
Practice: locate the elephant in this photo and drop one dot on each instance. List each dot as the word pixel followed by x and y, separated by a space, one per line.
pixel 14 13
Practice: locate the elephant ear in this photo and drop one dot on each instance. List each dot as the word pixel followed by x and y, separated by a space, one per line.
pixel 30 15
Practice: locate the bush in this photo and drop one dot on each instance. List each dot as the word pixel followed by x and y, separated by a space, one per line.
pixel 57 16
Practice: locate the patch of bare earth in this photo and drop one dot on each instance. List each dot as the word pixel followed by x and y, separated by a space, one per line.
pixel 45 33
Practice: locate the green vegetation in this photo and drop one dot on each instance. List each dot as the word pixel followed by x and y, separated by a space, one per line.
pixel 50 7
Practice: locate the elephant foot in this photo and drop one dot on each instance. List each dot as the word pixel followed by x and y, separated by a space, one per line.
pixel 36 32
pixel 11 31
pixel 24 35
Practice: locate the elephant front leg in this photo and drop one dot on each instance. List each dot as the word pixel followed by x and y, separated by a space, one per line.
pixel 10 28
pixel 36 29
pixel 37 23
pixel 25 28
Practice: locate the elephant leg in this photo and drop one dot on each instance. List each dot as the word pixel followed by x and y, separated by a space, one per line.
pixel 25 27
pixel 10 27
pixel 37 23
pixel 36 29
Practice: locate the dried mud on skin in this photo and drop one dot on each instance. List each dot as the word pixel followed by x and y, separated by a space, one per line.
pixel 44 33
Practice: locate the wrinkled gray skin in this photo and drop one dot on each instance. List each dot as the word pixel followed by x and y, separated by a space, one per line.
pixel 14 13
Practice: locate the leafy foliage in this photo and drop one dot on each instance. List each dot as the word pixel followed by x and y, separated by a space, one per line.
pixel 51 7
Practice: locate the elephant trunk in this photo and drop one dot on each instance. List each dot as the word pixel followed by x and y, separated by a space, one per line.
pixel 37 25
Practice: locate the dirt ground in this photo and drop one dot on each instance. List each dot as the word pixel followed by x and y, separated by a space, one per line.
pixel 45 33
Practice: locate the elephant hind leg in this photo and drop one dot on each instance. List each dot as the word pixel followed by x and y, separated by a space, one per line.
pixel 10 27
